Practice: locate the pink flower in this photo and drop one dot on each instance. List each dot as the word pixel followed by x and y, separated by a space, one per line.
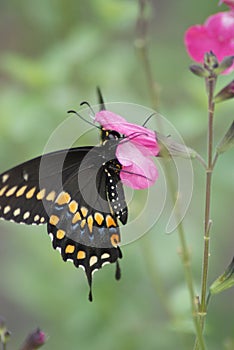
pixel 216 35
pixel 134 152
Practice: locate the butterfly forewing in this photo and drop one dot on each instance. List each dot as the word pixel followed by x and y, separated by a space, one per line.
pixel 28 190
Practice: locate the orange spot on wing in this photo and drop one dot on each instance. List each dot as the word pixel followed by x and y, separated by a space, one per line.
pixel 81 254
pixel 63 198
pixel 73 206
pixel 51 196
pixel 41 194
pixel 76 218
pixel 30 193
pixel 84 211
pixel 99 218
pixel 60 234
pixel 3 190
pixel 70 249
pixel 90 223
pixel 114 240
pixel 54 219
pixel 110 221
pixel 21 191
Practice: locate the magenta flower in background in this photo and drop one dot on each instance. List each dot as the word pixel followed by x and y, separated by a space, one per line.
pixel 134 152
pixel 216 35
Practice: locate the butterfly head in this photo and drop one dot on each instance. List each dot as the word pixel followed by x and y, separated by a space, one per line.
pixel 110 135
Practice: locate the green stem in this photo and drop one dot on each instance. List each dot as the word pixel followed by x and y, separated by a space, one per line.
pixel 185 257
pixel 141 45
pixel 211 81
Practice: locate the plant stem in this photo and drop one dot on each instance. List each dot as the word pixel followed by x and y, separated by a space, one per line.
pixel 210 83
pixel 185 257
pixel 141 45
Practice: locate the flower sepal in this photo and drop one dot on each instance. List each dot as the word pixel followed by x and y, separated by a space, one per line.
pixel 199 70
pixel 226 93
pixel 225 281
pixel 171 148
pixel 4 332
pixel 227 141
pixel 226 63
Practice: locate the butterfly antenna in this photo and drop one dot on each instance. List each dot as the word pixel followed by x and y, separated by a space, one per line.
pixel 100 99
pixel 90 107
pixel 148 119
pixel 80 116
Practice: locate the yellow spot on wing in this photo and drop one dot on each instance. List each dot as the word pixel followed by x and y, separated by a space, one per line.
pixel 73 206
pixel 110 221
pixel 82 224
pixel 51 196
pixel 21 191
pixel 3 190
pixel 11 191
pixel 90 223
pixel 60 234
pixel 70 249
pixel 41 194
pixel 81 254
pixel 63 198
pixel 76 218
pixel 99 218
pixel 30 193
pixel 114 239
pixel 105 256
pixel 84 211
pixel 54 219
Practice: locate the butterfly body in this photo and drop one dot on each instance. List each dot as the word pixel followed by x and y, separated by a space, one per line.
pixel 78 194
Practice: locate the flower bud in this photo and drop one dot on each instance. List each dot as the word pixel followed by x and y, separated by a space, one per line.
pixel 4 333
pixel 227 141
pixel 34 340
pixel 225 281
pixel 199 70
pixel 226 93
pixel 210 61
pixel 226 63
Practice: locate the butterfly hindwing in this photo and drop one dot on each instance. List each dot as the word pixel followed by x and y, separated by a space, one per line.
pixel 82 225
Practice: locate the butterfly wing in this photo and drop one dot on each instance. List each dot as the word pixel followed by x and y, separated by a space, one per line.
pixel 82 224
pixel 27 190
pixel 68 190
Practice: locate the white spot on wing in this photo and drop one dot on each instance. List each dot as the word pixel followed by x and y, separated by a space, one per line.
pixel 5 178
pixel 25 176
pixel 105 256
pixel 26 215
pixel 6 209
pixel 93 260
pixel 16 212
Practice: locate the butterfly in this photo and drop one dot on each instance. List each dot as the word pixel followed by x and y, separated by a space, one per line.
pixel 77 193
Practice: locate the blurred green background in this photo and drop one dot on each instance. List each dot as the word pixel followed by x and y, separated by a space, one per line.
pixel 53 55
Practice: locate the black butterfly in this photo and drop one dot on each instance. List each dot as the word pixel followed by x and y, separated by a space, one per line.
pixel 78 194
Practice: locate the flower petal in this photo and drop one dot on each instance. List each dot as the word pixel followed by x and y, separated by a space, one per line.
pixel 138 171
pixel 215 35
pixel 136 133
